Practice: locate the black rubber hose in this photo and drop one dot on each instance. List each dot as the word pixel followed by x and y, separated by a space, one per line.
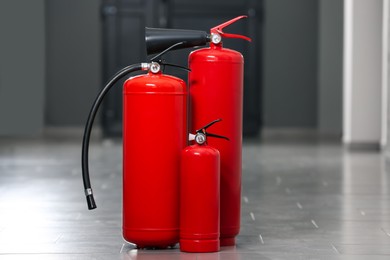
pixel 88 127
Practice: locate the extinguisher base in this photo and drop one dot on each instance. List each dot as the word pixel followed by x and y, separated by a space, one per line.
pixel 151 238
pixel 228 241
pixel 199 246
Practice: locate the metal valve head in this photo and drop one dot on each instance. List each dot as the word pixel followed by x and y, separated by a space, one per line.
pixel 201 134
pixel 200 138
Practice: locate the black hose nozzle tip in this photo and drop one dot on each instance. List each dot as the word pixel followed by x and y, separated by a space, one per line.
pixel 91 202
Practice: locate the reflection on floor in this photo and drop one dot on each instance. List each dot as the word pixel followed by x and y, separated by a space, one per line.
pixel 299 201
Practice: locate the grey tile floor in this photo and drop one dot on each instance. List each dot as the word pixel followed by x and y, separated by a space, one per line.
pixel 299 201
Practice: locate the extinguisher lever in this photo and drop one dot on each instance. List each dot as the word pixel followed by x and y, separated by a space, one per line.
pixel 202 134
pixel 219 30
pixel 208 125
pixel 236 36
pixel 217 136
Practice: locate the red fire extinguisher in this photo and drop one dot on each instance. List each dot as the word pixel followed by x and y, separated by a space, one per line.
pixel 152 103
pixel 216 90
pixel 200 194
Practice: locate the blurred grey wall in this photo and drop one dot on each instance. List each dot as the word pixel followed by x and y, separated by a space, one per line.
pixel 22 67
pixel 303 65
pixel 330 67
pixel 73 60
pixel 60 41
pixel 290 64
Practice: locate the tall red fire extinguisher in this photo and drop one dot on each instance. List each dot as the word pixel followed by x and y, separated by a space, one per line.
pixel 216 90
pixel 200 194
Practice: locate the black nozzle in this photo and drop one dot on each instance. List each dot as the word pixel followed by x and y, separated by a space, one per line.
pixel 157 39
pixel 91 202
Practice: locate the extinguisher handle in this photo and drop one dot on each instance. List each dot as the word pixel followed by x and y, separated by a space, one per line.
pixel 208 125
pixel 219 29
pixel 202 132
pixel 217 136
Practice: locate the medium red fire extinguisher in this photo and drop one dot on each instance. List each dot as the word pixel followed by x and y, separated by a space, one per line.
pixel 216 90
pixel 200 194
pixel 152 103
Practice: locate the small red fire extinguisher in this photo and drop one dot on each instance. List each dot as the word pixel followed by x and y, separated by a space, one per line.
pixel 216 90
pixel 200 194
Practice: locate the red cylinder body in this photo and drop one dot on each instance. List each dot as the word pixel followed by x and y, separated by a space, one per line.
pixel 199 199
pixel 216 91
pixel 154 135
